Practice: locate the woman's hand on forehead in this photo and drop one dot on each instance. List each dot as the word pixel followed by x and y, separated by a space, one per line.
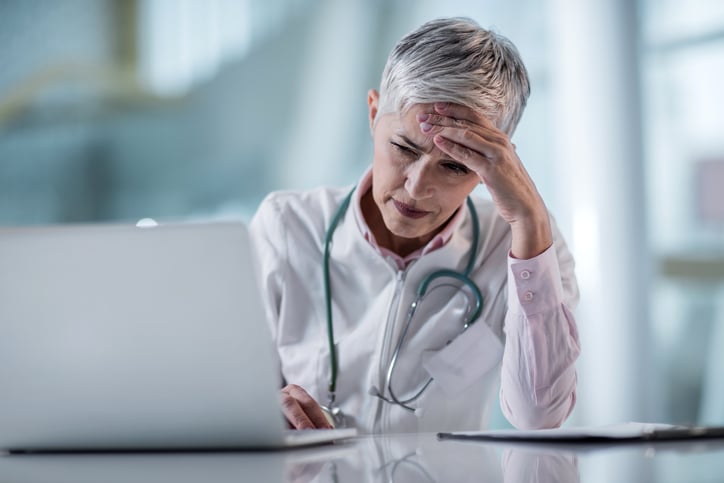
pixel 470 134
pixel 472 139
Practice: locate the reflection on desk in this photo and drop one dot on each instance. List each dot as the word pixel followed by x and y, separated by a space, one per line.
pixel 390 458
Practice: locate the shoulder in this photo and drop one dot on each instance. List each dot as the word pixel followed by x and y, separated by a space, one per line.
pixel 300 211
pixel 313 204
pixel 315 199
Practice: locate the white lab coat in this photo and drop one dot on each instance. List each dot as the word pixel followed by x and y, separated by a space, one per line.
pixel 370 301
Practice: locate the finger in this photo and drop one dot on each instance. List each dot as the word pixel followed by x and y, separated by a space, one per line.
pixel 294 413
pixel 440 120
pixel 463 113
pixel 467 147
pixel 312 409
pixel 489 144
pixel 456 151
pixel 433 123
pixel 308 405
pixel 473 160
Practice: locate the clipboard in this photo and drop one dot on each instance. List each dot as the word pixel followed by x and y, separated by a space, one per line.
pixel 610 434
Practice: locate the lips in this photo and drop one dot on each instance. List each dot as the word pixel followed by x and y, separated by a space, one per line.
pixel 408 211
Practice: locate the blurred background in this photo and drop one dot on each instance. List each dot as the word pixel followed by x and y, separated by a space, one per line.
pixel 116 110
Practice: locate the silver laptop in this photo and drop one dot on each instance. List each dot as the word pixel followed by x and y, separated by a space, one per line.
pixel 119 337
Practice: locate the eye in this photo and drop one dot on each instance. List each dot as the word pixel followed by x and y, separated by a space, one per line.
pixel 403 149
pixel 456 168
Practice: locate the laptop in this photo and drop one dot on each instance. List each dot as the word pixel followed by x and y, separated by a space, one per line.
pixel 137 338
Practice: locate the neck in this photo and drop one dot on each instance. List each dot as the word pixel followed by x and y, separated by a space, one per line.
pixel 384 237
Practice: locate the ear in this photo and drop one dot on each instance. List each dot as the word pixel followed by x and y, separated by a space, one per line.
pixel 373 99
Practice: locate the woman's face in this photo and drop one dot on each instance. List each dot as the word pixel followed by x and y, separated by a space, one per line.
pixel 415 186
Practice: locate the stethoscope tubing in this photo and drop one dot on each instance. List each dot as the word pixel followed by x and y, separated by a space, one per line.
pixel 422 291
pixel 464 278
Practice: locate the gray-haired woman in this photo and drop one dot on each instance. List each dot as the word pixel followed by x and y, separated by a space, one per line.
pixel 404 303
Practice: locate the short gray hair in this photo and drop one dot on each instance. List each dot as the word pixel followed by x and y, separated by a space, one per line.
pixel 456 60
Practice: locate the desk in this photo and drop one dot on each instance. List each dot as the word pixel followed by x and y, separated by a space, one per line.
pixel 391 458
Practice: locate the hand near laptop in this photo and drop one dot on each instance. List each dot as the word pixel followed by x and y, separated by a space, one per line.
pixel 301 410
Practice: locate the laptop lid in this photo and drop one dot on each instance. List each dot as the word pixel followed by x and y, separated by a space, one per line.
pixel 125 337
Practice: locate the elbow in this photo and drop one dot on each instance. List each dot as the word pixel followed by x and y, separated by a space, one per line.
pixel 533 413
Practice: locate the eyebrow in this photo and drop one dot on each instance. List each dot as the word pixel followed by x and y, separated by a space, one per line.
pixel 414 146
pixel 410 143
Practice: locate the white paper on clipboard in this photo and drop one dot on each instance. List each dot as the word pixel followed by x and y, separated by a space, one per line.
pixel 623 432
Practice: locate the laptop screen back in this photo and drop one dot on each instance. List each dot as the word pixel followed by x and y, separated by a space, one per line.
pixel 118 336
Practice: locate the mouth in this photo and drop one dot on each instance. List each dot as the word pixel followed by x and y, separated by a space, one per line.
pixel 407 210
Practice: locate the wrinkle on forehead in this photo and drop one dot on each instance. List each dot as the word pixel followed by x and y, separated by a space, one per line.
pixel 409 127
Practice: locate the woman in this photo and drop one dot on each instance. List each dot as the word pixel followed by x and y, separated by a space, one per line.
pixel 451 95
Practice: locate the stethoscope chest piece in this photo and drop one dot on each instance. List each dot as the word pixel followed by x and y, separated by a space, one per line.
pixel 335 416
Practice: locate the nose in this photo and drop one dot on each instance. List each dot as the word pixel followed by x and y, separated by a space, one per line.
pixel 418 182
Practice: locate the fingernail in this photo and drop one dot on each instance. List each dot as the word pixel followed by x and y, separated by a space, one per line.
pixel 423 116
pixel 441 106
pixel 425 126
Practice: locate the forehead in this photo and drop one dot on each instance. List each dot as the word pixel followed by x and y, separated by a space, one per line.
pixel 413 110
pixel 407 118
pixel 405 124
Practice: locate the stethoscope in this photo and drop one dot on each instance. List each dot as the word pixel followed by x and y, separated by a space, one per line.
pixel 331 409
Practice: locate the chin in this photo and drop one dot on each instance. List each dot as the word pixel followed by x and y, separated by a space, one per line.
pixel 407 229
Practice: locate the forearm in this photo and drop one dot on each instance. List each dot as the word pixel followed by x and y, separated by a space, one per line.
pixel 538 387
pixel 538 378
pixel 531 236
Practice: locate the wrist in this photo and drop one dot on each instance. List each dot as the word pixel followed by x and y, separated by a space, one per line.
pixel 530 238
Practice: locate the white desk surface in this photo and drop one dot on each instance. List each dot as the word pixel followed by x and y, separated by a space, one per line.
pixel 390 458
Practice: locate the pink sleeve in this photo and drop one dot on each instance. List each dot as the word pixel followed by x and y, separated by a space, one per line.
pixel 538 380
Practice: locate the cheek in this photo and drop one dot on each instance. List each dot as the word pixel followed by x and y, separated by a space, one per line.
pixel 381 159
pixel 452 199
pixel 388 168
